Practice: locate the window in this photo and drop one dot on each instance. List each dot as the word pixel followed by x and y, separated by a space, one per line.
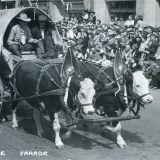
pixel 122 8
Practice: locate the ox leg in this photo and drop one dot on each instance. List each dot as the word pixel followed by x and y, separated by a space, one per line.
pixel 120 142
pixel 14 119
pixel 36 115
pixel 56 128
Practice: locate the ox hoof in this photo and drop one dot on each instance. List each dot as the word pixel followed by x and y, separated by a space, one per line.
pixel 60 146
pixel 16 128
pixel 121 144
pixel 41 134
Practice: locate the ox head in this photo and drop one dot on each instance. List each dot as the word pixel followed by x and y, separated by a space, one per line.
pixel 85 96
pixel 139 85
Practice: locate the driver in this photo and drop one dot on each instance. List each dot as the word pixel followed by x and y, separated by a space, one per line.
pixel 20 38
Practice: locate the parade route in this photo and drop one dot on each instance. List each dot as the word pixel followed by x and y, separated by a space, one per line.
pixel 142 138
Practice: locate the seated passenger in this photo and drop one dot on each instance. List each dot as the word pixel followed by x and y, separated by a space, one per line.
pixel 20 38
pixel 45 47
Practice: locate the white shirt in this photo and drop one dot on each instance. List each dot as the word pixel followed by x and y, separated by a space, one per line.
pixel 70 34
pixel 85 16
pixel 23 38
pixel 129 22
pixel 42 33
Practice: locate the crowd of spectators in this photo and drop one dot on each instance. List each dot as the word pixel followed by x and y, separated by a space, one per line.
pixel 98 42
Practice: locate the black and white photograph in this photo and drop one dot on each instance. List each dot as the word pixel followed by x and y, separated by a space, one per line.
pixel 79 79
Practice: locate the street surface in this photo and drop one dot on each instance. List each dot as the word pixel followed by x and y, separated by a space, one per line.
pixel 142 137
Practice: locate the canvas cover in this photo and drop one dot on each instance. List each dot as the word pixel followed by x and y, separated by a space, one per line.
pixel 8 20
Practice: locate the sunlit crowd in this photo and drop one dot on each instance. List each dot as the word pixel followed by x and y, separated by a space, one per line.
pixel 98 42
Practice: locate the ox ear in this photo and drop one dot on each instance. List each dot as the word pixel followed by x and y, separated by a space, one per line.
pixel 128 75
pixel 136 67
pixel 98 87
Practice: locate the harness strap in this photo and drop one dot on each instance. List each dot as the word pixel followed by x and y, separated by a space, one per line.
pixel 102 71
pixel 44 70
pixel 63 99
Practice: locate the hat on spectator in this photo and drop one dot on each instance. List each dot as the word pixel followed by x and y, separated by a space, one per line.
pixel 92 27
pixel 149 27
pixel 65 21
pixel 42 18
pixel 111 33
pixel 24 17
pixel 101 51
pixel 74 27
pixel 140 30
pixel 129 30
pixel 154 29
pixel 67 18
pixel 58 25
pixel 154 34
pixel 138 36
pixel 118 37
pixel 63 27
pixel 122 30
pixel 65 39
pixel 145 26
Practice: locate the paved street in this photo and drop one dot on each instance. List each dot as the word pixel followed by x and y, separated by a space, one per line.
pixel 142 138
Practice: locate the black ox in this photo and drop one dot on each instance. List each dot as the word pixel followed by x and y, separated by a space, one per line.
pixel 42 85
pixel 117 87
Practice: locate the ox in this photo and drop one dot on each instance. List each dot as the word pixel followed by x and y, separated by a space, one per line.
pixel 31 79
pixel 111 96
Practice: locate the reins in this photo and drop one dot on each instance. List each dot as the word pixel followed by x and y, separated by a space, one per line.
pixel 135 98
pixel 60 91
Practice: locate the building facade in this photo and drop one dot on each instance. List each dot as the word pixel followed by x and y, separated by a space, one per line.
pixel 104 9
pixel 149 9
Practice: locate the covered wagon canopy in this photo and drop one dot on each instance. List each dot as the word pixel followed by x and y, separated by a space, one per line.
pixel 8 18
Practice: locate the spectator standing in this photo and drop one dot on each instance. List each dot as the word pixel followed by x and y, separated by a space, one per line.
pixel 93 17
pixel 132 39
pixel 127 55
pixel 155 81
pixel 124 38
pixel 85 17
pixel 152 47
pixel 140 23
pixel 129 22
pixel 84 42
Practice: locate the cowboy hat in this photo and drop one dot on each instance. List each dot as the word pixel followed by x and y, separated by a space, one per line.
pixel 24 17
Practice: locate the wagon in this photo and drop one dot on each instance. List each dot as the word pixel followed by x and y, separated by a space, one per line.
pixel 7 21
pixel 7 59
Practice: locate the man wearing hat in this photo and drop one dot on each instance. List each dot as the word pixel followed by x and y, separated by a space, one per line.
pixel 20 38
pixel 42 32
pixel 152 47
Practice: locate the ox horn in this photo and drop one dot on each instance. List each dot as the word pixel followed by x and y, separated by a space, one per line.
pixel 119 67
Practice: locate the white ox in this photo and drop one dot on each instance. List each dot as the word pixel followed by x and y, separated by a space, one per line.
pixel 140 87
pixel 85 96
